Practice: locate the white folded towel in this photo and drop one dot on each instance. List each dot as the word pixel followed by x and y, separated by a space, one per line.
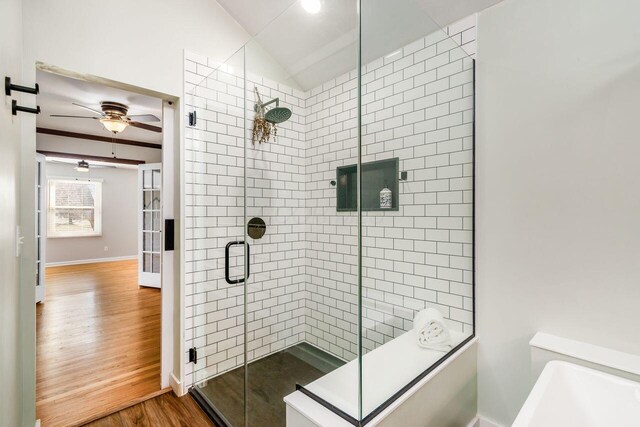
pixel 431 330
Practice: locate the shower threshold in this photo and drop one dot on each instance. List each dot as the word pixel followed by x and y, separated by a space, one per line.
pixel 271 378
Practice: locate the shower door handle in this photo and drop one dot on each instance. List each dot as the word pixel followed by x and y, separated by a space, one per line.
pixel 226 262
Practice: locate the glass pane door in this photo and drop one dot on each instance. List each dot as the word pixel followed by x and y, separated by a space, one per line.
pixel 214 291
pixel 302 291
pixel 149 225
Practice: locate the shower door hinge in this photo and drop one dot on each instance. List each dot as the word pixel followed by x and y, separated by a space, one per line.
pixel 193 355
pixel 192 119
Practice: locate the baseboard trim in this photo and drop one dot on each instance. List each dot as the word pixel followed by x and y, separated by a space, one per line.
pixel 176 385
pixel 91 261
pixel 478 421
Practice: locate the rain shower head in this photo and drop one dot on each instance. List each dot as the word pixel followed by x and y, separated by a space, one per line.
pixel 277 115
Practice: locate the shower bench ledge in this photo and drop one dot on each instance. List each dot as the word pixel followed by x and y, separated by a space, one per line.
pixel 339 387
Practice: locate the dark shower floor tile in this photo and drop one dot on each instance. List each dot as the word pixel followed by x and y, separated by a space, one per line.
pixel 270 380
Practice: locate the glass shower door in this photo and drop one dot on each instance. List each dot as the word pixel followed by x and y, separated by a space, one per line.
pixel 329 204
pixel 302 291
pixel 215 253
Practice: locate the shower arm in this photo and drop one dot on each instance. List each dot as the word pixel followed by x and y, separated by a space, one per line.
pixel 260 105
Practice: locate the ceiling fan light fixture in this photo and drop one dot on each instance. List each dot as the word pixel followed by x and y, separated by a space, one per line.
pixel 114 125
pixel 82 166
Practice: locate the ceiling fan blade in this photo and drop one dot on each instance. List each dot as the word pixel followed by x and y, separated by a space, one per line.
pixel 144 118
pixel 145 127
pixel 88 108
pixel 75 117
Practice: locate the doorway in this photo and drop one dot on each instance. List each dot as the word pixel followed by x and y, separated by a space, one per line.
pixel 100 325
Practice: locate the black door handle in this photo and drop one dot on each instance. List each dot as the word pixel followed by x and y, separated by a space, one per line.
pixel 226 262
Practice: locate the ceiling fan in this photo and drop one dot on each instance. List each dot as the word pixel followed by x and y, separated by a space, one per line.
pixel 115 119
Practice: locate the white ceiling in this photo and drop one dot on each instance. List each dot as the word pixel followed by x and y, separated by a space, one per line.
pixel 58 93
pixel 316 48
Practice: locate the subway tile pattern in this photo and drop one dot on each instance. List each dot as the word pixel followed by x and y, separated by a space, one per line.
pixel 417 106
pixel 214 162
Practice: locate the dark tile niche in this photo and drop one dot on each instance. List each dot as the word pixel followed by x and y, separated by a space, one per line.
pixel 374 176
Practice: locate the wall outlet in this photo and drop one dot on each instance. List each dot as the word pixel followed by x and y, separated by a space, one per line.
pixel 106 248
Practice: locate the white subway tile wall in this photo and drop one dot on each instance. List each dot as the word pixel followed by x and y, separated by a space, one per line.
pixel 215 216
pixel 418 107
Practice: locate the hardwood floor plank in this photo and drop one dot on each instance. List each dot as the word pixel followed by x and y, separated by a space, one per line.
pixel 98 342
pixel 164 410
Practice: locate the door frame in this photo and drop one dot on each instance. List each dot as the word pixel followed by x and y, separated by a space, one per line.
pixel 172 323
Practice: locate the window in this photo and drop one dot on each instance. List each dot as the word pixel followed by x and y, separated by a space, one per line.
pixel 75 208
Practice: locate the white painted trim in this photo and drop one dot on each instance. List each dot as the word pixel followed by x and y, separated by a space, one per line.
pixel 91 261
pixel 483 422
pixel 474 422
pixel 168 257
pixel 588 352
pixel 176 385
pixel 180 227
pixel 38 422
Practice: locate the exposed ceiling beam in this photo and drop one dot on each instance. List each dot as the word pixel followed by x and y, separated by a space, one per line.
pixel 64 133
pixel 90 157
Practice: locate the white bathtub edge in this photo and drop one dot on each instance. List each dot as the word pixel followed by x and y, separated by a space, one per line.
pixel 588 352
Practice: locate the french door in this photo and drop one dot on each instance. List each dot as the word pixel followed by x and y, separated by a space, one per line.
pixel 149 224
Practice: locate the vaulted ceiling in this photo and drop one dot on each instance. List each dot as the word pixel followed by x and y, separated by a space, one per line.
pixel 313 48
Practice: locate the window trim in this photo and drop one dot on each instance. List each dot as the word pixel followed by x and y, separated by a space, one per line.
pixel 51 233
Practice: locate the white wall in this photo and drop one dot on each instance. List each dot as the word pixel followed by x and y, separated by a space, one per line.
pixel 557 171
pixel 119 217
pixel 10 385
pixel 70 34
pixel 150 36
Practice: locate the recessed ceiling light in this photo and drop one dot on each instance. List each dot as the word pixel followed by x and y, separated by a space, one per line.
pixel 311 6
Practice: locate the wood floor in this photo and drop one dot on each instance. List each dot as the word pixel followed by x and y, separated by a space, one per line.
pixel 98 343
pixel 164 410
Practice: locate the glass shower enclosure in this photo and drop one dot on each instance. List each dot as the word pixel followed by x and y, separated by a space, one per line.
pixel 329 211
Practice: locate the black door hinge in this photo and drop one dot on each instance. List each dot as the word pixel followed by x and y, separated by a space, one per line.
pixel 193 355
pixel 192 119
